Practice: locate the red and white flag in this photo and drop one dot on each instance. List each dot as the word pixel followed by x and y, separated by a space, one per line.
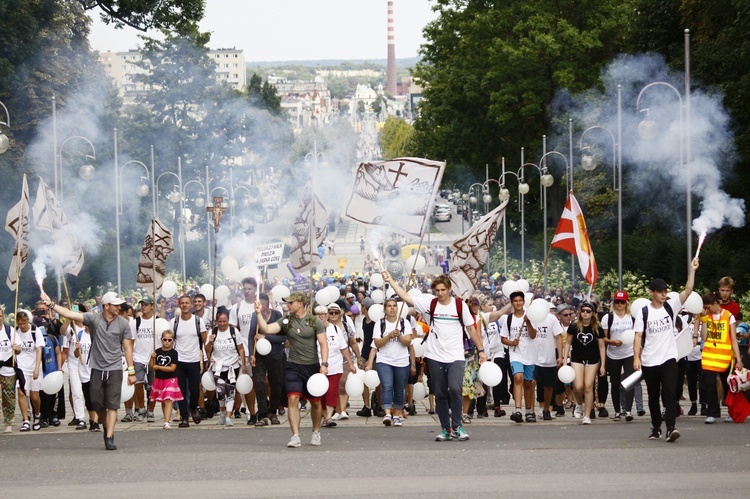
pixel 572 236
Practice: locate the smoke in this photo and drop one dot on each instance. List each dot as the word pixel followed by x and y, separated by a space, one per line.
pixel 656 132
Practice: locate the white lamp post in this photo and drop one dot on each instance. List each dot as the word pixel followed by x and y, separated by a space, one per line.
pixel 4 141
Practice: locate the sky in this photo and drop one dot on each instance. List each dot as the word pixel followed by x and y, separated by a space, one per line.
pixel 284 30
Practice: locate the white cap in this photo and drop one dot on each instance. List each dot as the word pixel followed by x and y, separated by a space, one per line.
pixel 112 298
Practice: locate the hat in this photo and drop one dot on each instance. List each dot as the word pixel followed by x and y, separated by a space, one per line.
pixel 350 295
pixel 658 285
pixel 147 300
pixel 334 306
pixel 588 304
pixel 368 302
pixel 517 293
pixel 563 307
pixel 474 301
pixel 621 296
pixel 296 296
pixel 112 298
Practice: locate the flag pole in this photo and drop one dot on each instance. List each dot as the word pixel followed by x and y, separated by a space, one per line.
pixel 153 280
pixel 544 268
pixel 19 236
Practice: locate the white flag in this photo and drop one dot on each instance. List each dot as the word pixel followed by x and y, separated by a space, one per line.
pixel 397 194
pixel 49 216
pixel 301 257
pixel 471 251
pixel 17 225
pixel 152 264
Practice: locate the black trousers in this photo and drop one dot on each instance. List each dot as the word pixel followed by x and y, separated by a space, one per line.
pixel 189 379
pixel 693 381
pixel 273 369
pixel 662 381
pixel 500 392
pixel 618 370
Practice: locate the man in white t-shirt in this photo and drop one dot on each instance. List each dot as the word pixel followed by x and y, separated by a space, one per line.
pixel 190 336
pixel 242 316
pixel 658 354
pixel 549 358
pixel 519 334
pixel 143 331
pixel 445 349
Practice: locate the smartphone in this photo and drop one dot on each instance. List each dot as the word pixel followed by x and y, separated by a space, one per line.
pixel 74 308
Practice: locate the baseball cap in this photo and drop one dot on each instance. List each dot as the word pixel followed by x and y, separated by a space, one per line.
pixel 350 295
pixel 658 284
pixel 296 296
pixel 368 302
pixel 112 298
pixel 621 296
pixel 563 307
pixel 474 301
pixel 334 306
pixel 148 300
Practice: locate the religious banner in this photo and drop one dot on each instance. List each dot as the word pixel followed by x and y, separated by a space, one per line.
pixel 49 216
pixel 17 225
pixel 311 218
pixel 152 264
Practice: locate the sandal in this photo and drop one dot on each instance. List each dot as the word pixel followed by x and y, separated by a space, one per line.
pixel 37 425
pixel 25 426
pixel 167 426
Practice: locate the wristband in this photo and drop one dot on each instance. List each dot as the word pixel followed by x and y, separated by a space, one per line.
pixel 481 350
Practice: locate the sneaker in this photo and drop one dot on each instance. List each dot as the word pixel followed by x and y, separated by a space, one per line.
pixel 222 418
pixel 94 426
pixel 150 417
pixel 81 425
pixel 274 419
pixel 336 417
pixel 315 439
pixel 592 414
pixel 693 409
pixel 641 412
pixel 546 415
pixel 184 424
pixel 263 422
pixel 444 436
pixel 380 413
pixel 167 426
pixel 531 417
pixel 127 419
pixel 499 413
pixel 728 419
pixel 294 442
pixel 396 421
pixel 236 414
pixel 387 420
pixel 710 420
pixel 138 416
pixel 74 422
pixel 109 443
pixel 603 412
pixel 230 423
pixel 616 417
pixel 586 420
pixel 9 429
pixel 303 406
pixel 460 434
pixel 560 412
pixel 252 419
pixel 578 412
pixel 412 409
pixel 516 417
pixel 628 417
pixel 343 416
pixel 365 412
pixel 672 435
pixel 655 434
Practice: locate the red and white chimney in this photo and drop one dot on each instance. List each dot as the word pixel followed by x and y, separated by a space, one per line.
pixel 390 85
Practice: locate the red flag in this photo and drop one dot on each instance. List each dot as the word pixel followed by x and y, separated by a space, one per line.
pixel 572 236
pixel 738 406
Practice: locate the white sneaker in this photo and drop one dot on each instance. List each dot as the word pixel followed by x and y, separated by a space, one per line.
pixel 315 440
pixel 343 416
pixel 728 419
pixel 222 418
pixel 294 442
pixel 229 422
pixel 336 417
pixel 8 429
pixel 578 412
pixel 586 420
pixel 396 421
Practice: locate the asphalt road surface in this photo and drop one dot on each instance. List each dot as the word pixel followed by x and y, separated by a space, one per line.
pixel 368 460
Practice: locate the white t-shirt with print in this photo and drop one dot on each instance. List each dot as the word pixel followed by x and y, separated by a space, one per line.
pixel 225 351
pixel 336 342
pixel 69 341
pixel 6 348
pixel 84 370
pixel 660 343
pixel 525 352
pixel 446 340
pixel 493 347
pixel 143 346
pixel 547 332
pixel 393 353
pixel 619 326
pixel 241 316
pixel 186 338
pixel 26 360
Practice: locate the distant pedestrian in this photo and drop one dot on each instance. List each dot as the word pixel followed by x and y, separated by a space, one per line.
pixel 362 245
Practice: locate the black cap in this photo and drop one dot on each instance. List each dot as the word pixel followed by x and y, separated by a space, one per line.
pixel 658 285
pixel 517 293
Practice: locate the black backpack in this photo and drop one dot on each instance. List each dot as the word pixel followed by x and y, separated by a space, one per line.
pixel 459 311
pixel 197 329
pixel 644 312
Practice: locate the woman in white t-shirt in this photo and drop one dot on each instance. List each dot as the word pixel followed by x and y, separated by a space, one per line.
pixel 338 350
pixel 30 362
pixel 9 345
pixel 73 332
pixel 226 353
pixel 82 350
pixel 390 341
pixel 619 356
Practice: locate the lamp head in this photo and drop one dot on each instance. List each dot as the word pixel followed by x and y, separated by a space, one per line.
pixel 142 190
pixel 504 194
pixel 86 172
pixel 588 162
pixel 547 180
pixel 200 202
pixel 487 199
pixel 4 143
pixel 648 129
pixel 473 199
pixel 174 196
pixel 523 187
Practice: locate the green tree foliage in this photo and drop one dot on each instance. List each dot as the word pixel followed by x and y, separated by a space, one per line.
pixel 263 95
pixel 396 138
pixel 180 16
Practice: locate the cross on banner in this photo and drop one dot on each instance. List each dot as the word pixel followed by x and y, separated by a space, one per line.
pixel 216 211
pixel 398 173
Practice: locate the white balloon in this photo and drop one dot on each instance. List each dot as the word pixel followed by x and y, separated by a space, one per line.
pixel 378 296
pixel 246 271
pixel 566 374
pixel 418 347
pixel 637 305
pixel 673 295
pixel 354 386
pixel 168 289
pixel 52 383
pixel 527 298
pixel 160 326
pixel 126 390
pixel 222 293
pixel 523 285
pixel 263 346
pixel 334 293
pixel 280 292
pixel 322 297
pixel 376 312
pixel 229 267
pixel 538 311
pixel 419 392
pixel 415 292
pixel 372 380
pixel 684 342
pixel 244 384
pixel 376 280
pixel 627 337
pixel 317 385
pixel 360 374
pixel 403 309
pixel 207 381
pixel 694 303
pixel 390 292
pixel 207 290
pixel 420 263
pixel 509 287
pixel 490 374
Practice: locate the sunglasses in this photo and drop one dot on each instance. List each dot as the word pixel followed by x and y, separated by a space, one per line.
pixel 587 311
pixel 621 302
pixel 334 313
pixel 570 314
pixel 167 340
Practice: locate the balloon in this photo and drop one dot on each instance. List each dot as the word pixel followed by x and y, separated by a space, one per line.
pixel 527 299
pixel 126 390
pixel 322 297
pixel 360 374
pixel 317 385
pixel 390 292
pixel 684 342
pixel 673 295
pixel 372 380
pixel 490 374
pixel 415 292
pixel 627 337
pixel 418 259
pixel 263 346
pixel 52 383
pixel 538 311
pixel 376 280
pixel 168 289
pixel 694 303
pixel 566 374
pixel 403 309
pixel 280 292
pixel 378 296
pixel 354 386
pixel 637 305
pixel 207 290
pixel 244 384
pixel 419 392
pixel 354 309
pixel 246 271
pixel 207 381
pixel 418 347
pixel 509 287
pixel 376 312
pixel 222 293
pixel 523 285
pixel 160 326
pixel 229 267
pixel 334 293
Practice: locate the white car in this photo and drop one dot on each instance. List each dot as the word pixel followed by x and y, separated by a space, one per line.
pixel 442 213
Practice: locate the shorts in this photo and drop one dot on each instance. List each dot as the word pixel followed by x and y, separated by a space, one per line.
pixel 518 367
pixel 32 385
pixel 295 379
pixel 105 388
pixel 585 362
pixel 546 376
pixel 143 374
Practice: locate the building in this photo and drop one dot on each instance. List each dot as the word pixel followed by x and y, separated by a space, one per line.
pixel 306 103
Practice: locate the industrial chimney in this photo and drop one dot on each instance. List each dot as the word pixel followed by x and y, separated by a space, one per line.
pixel 390 85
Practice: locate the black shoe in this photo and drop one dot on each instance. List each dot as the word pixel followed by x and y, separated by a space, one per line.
pixel 81 425
pixel 546 416
pixel 94 426
pixel 655 434
pixel 704 410
pixel 641 412
pixel 54 422
pixel 196 416
pixel 184 424
pixel 516 417
pixel 560 411
pixel 253 419
pixel 412 410
pixel 74 422
pixel 365 412
pixel 593 414
pixel 693 409
pixel 603 412
pixel 531 417
pixel 380 413
pixel 44 423
pixel 109 443
pixel 237 414
pixel 672 435
pixel 104 434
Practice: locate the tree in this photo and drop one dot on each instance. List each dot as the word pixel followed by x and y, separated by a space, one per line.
pixel 396 138
pixel 263 95
pixel 180 16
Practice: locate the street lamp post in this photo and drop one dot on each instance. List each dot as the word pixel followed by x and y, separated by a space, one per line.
pixel 546 180
pixel 504 195
pixel 176 196
pixel 4 141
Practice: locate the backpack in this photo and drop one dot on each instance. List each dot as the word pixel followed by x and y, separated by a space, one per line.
pixel 382 326
pixel 234 339
pixel 459 311
pixel 611 316
pixel 197 329
pixel 644 312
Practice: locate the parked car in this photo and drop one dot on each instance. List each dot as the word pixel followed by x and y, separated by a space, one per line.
pixel 442 213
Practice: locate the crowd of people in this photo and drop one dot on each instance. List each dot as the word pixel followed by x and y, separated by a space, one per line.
pixel 194 361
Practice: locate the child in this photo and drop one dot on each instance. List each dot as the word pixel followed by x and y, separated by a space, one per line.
pixel 165 389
